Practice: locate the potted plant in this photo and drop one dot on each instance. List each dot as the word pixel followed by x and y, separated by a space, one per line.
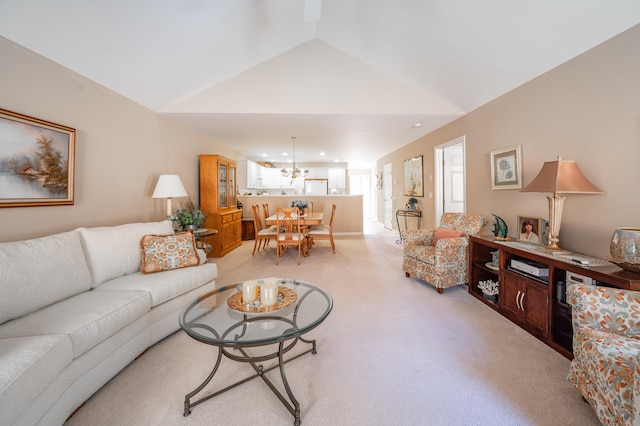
pixel 189 216
pixel 411 203
pixel 302 205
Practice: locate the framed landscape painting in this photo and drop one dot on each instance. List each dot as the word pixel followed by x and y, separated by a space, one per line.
pixel 506 168
pixel 413 178
pixel 36 161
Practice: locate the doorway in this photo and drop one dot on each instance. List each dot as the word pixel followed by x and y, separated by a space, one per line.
pixel 388 195
pixel 449 185
pixel 360 184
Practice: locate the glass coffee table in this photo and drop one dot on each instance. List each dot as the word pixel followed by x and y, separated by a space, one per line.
pixel 219 318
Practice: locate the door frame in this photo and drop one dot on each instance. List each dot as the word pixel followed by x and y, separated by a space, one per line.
pixel 387 194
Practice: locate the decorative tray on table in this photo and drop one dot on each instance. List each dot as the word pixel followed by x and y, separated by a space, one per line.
pixel 286 297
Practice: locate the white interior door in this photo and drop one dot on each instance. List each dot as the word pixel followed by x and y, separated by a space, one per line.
pixel 450 177
pixel 387 180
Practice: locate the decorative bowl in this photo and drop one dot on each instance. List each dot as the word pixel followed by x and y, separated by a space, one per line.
pixel 625 248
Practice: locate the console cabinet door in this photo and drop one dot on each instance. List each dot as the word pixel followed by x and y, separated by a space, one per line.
pixel 512 290
pixel 526 302
pixel 536 308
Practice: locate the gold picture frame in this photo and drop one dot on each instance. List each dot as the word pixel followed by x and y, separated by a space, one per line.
pixel 37 161
pixel 506 168
pixel 413 177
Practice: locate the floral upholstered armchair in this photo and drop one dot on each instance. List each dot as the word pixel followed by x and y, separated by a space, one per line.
pixel 441 256
pixel 606 343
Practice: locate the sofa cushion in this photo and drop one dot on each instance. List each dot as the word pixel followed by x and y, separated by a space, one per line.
pixel 28 366
pixel 164 286
pixel 87 318
pixel 164 252
pixel 114 251
pixel 36 273
pixel 441 233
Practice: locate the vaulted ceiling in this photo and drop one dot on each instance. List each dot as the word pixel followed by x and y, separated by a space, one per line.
pixel 352 81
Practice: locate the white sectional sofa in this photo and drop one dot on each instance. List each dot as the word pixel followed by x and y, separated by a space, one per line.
pixel 75 310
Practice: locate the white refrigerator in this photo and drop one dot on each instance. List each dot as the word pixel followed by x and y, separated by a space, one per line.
pixel 316 186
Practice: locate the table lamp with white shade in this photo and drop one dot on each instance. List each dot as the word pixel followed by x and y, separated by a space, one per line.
pixel 169 186
pixel 559 177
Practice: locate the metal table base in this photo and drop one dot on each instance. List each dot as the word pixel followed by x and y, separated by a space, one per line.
pixel 291 404
pixel 407 213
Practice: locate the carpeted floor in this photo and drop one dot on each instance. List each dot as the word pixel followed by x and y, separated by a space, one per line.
pixel 392 352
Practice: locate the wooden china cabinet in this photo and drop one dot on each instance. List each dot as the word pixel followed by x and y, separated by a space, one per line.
pixel 218 201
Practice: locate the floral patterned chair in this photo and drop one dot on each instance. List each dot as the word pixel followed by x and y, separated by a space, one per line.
pixel 441 256
pixel 606 343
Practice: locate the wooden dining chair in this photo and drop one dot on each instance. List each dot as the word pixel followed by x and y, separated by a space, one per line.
pixel 289 232
pixel 324 232
pixel 263 235
pixel 265 210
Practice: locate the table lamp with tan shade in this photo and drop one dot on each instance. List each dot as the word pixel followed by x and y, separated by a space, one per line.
pixel 559 177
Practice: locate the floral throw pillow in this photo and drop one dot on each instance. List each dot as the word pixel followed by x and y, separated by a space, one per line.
pixel 164 252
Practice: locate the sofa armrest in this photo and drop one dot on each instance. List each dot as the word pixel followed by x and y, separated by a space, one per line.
pixel 417 237
pixel 606 309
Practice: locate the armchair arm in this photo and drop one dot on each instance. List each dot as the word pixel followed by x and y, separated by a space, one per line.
pixel 445 247
pixel 417 237
pixel 611 310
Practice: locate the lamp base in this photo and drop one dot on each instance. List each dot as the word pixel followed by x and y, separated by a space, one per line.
pixel 553 250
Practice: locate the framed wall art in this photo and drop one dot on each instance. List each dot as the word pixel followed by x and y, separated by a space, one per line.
pixel 36 161
pixel 506 168
pixel 533 230
pixel 413 178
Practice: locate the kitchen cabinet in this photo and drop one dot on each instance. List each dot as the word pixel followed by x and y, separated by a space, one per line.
pixel 337 178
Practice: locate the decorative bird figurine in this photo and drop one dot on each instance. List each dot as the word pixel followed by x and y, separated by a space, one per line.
pixel 500 228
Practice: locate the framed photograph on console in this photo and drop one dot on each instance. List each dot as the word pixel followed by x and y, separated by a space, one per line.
pixel 533 230
pixel 506 168
pixel 413 178
pixel 37 160
pixel 544 232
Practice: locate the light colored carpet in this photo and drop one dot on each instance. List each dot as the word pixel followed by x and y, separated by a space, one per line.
pixel 392 352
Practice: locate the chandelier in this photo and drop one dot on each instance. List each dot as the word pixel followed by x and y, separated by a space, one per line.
pixel 294 172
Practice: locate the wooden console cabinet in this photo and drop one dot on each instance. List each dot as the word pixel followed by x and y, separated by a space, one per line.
pixel 533 302
pixel 218 201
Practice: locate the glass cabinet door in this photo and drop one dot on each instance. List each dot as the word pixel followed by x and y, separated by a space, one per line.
pixel 232 185
pixel 222 186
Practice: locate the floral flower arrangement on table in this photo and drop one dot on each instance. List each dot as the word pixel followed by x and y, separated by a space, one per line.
pixel 189 215
pixel 489 288
pixel 300 204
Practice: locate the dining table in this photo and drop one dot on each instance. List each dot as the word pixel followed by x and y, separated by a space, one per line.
pixel 306 220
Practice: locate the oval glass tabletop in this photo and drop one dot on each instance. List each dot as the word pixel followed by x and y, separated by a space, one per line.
pixel 211 320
